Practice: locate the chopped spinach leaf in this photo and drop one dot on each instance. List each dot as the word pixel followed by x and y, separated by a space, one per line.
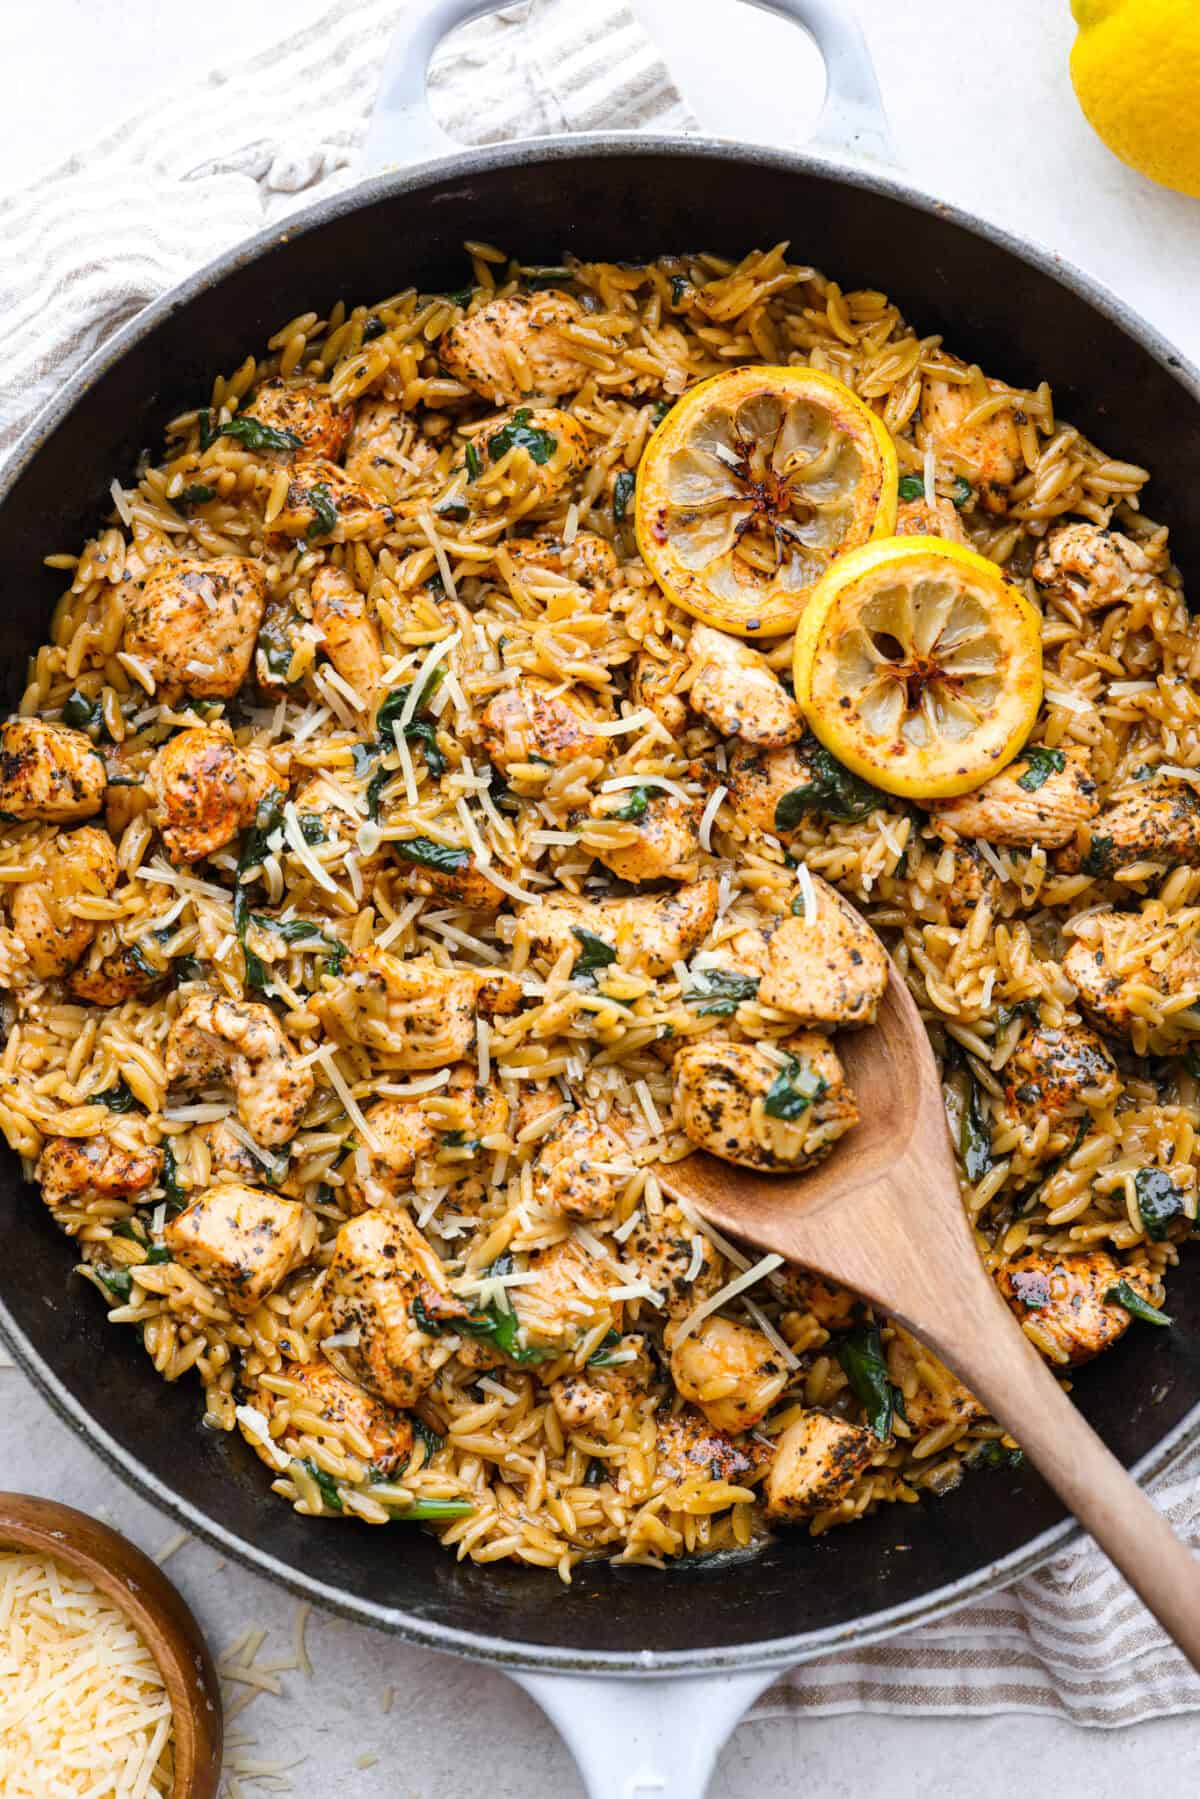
pixel 118 1098
pixel 83 714
pixel 1099 858
pixel 597 1473
pixel 860 1353
pixel 373 328
pixel 1159 1201
pixel 519 434
pixel 1041 763
pixel 424 732
pixel 474 462
pixel 623 491
pixel 491 1326
pixel 962 493
pixel 176 1198
pixel 679 287
pixel 1122 1294
pixel 325 513
pixel 375 787
pixel 207 434
pixel 718 992
pixel 142 963
pixel 197 494
pixel 661 409
pixel 312 827
pixel 186 968
pixel 995 1455
pixel 326 1485
pixel 793 1090
pixel 545 276
pixel 119 1282
pixel 975 1136
pixel 594 954
pixel 911 487
pixel 432 1441
pixel 431 1511
pixel 443 858
pixel 252 434
pixel 833 791
pixel 268 817
pixel 634 809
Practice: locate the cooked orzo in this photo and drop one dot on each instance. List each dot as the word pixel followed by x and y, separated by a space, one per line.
pixel 397 878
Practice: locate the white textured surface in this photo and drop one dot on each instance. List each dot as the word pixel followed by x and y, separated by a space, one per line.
pixel 981 111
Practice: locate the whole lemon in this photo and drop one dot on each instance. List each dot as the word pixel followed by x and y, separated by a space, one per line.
pixel 1136 70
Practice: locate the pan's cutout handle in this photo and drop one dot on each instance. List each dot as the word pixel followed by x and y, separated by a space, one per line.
pixel 402 130
pixel 649 1738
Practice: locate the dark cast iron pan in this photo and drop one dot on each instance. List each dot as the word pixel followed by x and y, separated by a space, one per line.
pixel 1018 310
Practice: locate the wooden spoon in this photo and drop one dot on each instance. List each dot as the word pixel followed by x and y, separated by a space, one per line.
pixel 119 1570
pixel 884 1216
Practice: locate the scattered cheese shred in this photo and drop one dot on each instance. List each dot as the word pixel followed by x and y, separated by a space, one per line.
pixel 729 1291
pixel 708 818
pixel 337 1081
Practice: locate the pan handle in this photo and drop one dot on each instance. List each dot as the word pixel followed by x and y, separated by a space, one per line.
pixel 402 130
pixel 645 1738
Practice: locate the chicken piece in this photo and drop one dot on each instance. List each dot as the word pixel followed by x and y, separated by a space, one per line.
pixel 759 778
pixel 651 685
pixel 1159 823
pixel 593 1398
pixel 929 1396
pixel 668 835
pixel 541 449
pixel 416 1014
pixel 923 518
pixel 352 640
pixel 1090 569
pixel 328 1406
pixel 1122 960
pixel 74 865
pixel 385 1279
pixel 194 623
pixel 1067 1297
pixel 686 1447
pixel 411 1131
pixel 239 1240
pixel 204 790
pixel 228 1155
pixel 664 1253
pixel 738 691
pixel 75 1169
pixel 987 450
pixel 731 1371
pixel 512 348
pixel 647 932
pixel 830 972
pixel 573 1168
pixel 961 877
pixel 568 1298
pixel 467 885
pixel 214 1038
pixel 49 771
pixel 742 1103
pixel 1041 798
pixel 109 977
pixel 306 411
pixel 588 560
pixel 1056 1070
pixel 818 1461
pixel 834 1308
pixel 324 504
pixel 122 803
pixel 522 724
pixel 387 452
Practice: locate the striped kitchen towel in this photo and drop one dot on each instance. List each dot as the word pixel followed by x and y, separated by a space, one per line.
pixel 115 225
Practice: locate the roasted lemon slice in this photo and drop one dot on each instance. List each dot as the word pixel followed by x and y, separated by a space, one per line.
pixel 752 484
pixel 919 666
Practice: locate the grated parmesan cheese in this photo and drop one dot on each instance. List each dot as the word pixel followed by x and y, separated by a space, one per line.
pixel 749 1278
pixel 337 1080
pixel 808 894
pixel 708 817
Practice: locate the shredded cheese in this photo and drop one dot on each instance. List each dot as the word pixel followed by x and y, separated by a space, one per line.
pixel 295 840
pixel 808 894
pixel 337 1081
pixel 749 1278
pixel 708 818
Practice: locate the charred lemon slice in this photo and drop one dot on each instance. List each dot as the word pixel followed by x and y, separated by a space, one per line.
pixel 750 487
pixel 919 666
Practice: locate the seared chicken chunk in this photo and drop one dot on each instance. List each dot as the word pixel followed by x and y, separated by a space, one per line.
pixel 468 885
pixel 324 504
pixel 205 790
pixel 541 450
pixel 668 835
pixel 1091 569
pixel 1058 1069
pixel 592 1399
pixel 818 1461
pixel 195 622
pixel 515 347
pixel 676 1259
pixel 108 976
pixel 331 1408
pixel 738 691
pixel 931 1397
pixel 526 724
pixel 576 1167
pixel 924 518
pixel 1127 966
pixel 74 865
pixel 1043 797
pixel 588 560
pixel 687 1447
pixel 1067 1297
pixel 648 932
pixel 383 1281
pixel 830 971
pixel 305 411
pixel 567 1298
pixel 214 1038
pixel 76 1169
pixel 409 1132
pixel 416 1014
pixel 49 771
pixel 776 1111
pixel 239 1240
pixel 834 1308
pixel 352 640
pixel 759 778
pixel 652 686
pixel 387 452
pixel 985 449
pixel 958 876
pixel 1160 822
pixel 731 1371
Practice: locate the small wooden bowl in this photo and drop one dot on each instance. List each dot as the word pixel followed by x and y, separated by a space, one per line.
pixel 153 1606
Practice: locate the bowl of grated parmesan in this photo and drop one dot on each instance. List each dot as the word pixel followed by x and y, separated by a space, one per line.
pixel 106 1683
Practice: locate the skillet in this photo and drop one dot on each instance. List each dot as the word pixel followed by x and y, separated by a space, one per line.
pixel 723 1629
